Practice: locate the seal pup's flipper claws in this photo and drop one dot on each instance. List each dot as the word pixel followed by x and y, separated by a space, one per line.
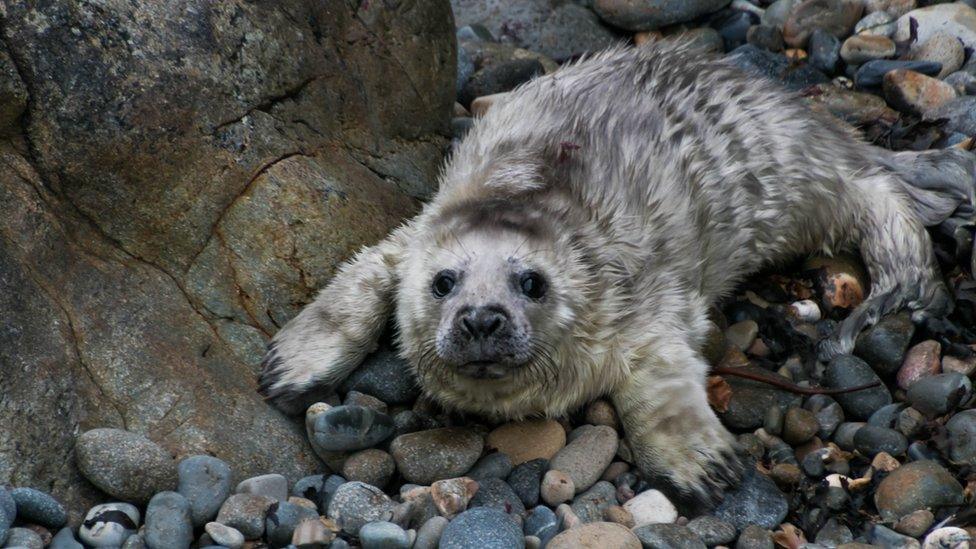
pixel 676 439
pixel 312 354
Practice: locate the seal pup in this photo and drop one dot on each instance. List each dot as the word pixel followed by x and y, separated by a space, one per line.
pixel 581 231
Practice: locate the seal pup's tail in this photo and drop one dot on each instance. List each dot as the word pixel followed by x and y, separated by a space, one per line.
pixel 941 185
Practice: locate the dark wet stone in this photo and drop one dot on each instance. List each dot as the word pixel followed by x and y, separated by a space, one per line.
pixel 833 533
pixel 886 416
pixel 776 67
pixel 733 26
pixel 465 68
pixel 282 519
pixel 766 37
pixel 882 536
pixel 497 494
pixel 318 488
pixel 828 412
pixel 871 440
pixel 526 479
pixel 756 500
pixel 205 482
pixel 883 345
pixel 385 376
pixel 844 435
pixel 962 437
pixel 750 401
pixel 169 523
pixel 653 14
pixel 348 428
pixel 542 523
pixel 39 507
pixel 939 394
pixel 499 78
pixel 823 51
pixel 847 371
pixel 871 74
pixel 496 465
pixel 668 536
pixel 482 527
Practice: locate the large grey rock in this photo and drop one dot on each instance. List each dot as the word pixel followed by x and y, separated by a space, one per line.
pixel 196 171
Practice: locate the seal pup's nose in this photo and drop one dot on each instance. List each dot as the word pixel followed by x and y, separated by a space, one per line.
pixel 483 322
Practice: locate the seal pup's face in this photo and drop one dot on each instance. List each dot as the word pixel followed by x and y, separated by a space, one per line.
pixel 487 304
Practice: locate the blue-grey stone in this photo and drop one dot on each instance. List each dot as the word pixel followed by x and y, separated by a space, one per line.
pixel 282 520
pixel 169 522
pixel 526 478
pixel 383 535
pixel 348 428
pixel 318 489
pixel 40 508
pixel 712 530
pixel 960 113
pixel 24 538
pixel 109 524
pixel 383 374
pixel 65 539
pixel 496 465
pixel 756 500
pixel 474 31
pixel 871 74
pixel 482 527
pixel 134 542
pixel 205 482
pixel 846 371
pixel 542 523
pixel 589 505
pixel 776 67
pixel 886 537
pixel 8 512
pixel 496 493
pixel 272 485
pixel 939 394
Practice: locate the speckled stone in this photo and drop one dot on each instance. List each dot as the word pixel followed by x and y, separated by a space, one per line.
pixel 482 527
pixel 205 482
pixel 125 465
pixel 39 507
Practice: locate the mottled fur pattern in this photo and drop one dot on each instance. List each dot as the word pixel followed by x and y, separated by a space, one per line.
pixel 645 183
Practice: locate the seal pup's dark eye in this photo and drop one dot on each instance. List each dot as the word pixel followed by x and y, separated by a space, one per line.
pixel 532 285
pixel 443 284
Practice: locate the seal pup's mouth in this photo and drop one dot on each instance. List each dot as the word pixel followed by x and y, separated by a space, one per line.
pixel 483 369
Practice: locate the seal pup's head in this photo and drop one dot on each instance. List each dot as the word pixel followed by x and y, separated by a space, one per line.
pixel 488 304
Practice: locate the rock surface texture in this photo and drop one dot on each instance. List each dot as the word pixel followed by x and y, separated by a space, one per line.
pixel 178 179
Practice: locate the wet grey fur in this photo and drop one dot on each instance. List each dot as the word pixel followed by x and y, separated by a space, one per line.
pixel 644 183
